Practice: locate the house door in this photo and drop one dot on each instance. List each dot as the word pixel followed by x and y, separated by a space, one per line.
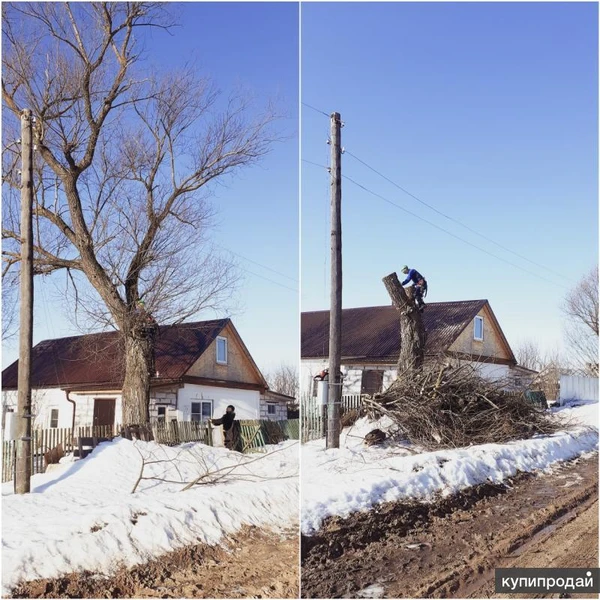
pixel 104 411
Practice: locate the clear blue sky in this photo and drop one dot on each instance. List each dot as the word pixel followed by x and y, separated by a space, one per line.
pixel 487 111
pixel 254 45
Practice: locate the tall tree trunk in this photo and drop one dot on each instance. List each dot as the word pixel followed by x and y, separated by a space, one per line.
pixel 139 353
pixel 412 330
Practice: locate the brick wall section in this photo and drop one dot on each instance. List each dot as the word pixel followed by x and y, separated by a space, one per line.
pixel 162 397
pixel 280 410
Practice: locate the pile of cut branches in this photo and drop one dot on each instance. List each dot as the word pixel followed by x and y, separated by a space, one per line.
pixel 449 406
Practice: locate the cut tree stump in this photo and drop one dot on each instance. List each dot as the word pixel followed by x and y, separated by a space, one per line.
pixel 412 330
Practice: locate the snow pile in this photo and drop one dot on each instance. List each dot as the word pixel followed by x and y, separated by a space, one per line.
pixel 82 515
pixel 578 412
pixel 356 477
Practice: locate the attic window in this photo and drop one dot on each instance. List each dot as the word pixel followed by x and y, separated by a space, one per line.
pixel 222 350
pixel 478 329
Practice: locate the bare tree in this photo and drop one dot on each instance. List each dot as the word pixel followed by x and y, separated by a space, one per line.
pixel 124 163
pixel 581 309
pixel 551 367
pixel 284 379
pixel 9 310
pixel 528 355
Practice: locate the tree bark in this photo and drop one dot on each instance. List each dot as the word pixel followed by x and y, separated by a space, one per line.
pixel 412 330
pixel 139 363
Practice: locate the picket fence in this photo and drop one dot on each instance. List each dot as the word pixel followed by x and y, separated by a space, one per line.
pixel 312 414
pixel 255 435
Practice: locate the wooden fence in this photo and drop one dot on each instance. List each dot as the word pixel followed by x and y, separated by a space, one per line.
pixel 179 432
pixel 256 434
pixel 44 440
pixel 312 414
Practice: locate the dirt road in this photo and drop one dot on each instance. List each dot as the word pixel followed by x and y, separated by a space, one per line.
pixel 257 564
pixel 450 549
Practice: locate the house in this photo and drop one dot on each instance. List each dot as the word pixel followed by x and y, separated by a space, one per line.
pixel 274 406
pixel 467 330
pixel 200 369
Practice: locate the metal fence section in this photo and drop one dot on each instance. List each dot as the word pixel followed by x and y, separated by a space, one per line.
pixel 578 388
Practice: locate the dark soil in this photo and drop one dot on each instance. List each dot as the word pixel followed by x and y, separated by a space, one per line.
pixel 256 564
pixel 450 548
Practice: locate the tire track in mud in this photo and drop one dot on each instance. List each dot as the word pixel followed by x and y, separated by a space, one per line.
pixel 451 547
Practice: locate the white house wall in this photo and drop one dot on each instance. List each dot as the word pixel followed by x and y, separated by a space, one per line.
pixel 246 402
pixel 353 374
pixel 44 400
pixel 308 370
pixel 492 371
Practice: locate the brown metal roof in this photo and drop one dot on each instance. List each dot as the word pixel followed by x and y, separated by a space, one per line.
pixel 373 333
pixel 96 360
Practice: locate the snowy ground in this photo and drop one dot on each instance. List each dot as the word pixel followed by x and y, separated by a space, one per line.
pixel 355 477
pixel 84 516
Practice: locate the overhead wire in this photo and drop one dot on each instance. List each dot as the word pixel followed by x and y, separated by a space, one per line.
pixel 315 109
pixel 271 280
pixel 363 187
pixel 260 264
pixel 439 212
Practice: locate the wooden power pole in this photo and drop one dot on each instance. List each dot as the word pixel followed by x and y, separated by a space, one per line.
pixel 24 416
pixel 335 314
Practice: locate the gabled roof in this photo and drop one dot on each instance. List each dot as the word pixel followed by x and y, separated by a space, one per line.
pixel 97 359
pixel 373 333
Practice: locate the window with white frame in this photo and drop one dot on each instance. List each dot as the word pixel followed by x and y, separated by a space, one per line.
pixel 202 410
pixel 478 329
pixel 222 350
pixel 161 413
pixel 54 417
pixel 271 408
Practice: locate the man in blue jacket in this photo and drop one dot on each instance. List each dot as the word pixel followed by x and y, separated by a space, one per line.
pixel 419 285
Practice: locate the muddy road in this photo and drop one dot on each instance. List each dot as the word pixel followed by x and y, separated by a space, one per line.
pixel 450 549
pixel 256 564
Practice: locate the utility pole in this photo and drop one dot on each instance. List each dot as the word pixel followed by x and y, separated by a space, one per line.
pixel 335 314
pixel 23 460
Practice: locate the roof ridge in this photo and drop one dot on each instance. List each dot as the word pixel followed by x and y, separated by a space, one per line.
pixel 113 331
pixel 307 312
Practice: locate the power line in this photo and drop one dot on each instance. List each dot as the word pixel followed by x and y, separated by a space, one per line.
pixel 446 231
pixel 260 265
pixel 287 287
pixel 439 212
pixel 310 162
pixel 315 109
pixel 366 189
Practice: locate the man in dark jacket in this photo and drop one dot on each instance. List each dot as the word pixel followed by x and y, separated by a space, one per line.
pixel 227 421
pixel 419 285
